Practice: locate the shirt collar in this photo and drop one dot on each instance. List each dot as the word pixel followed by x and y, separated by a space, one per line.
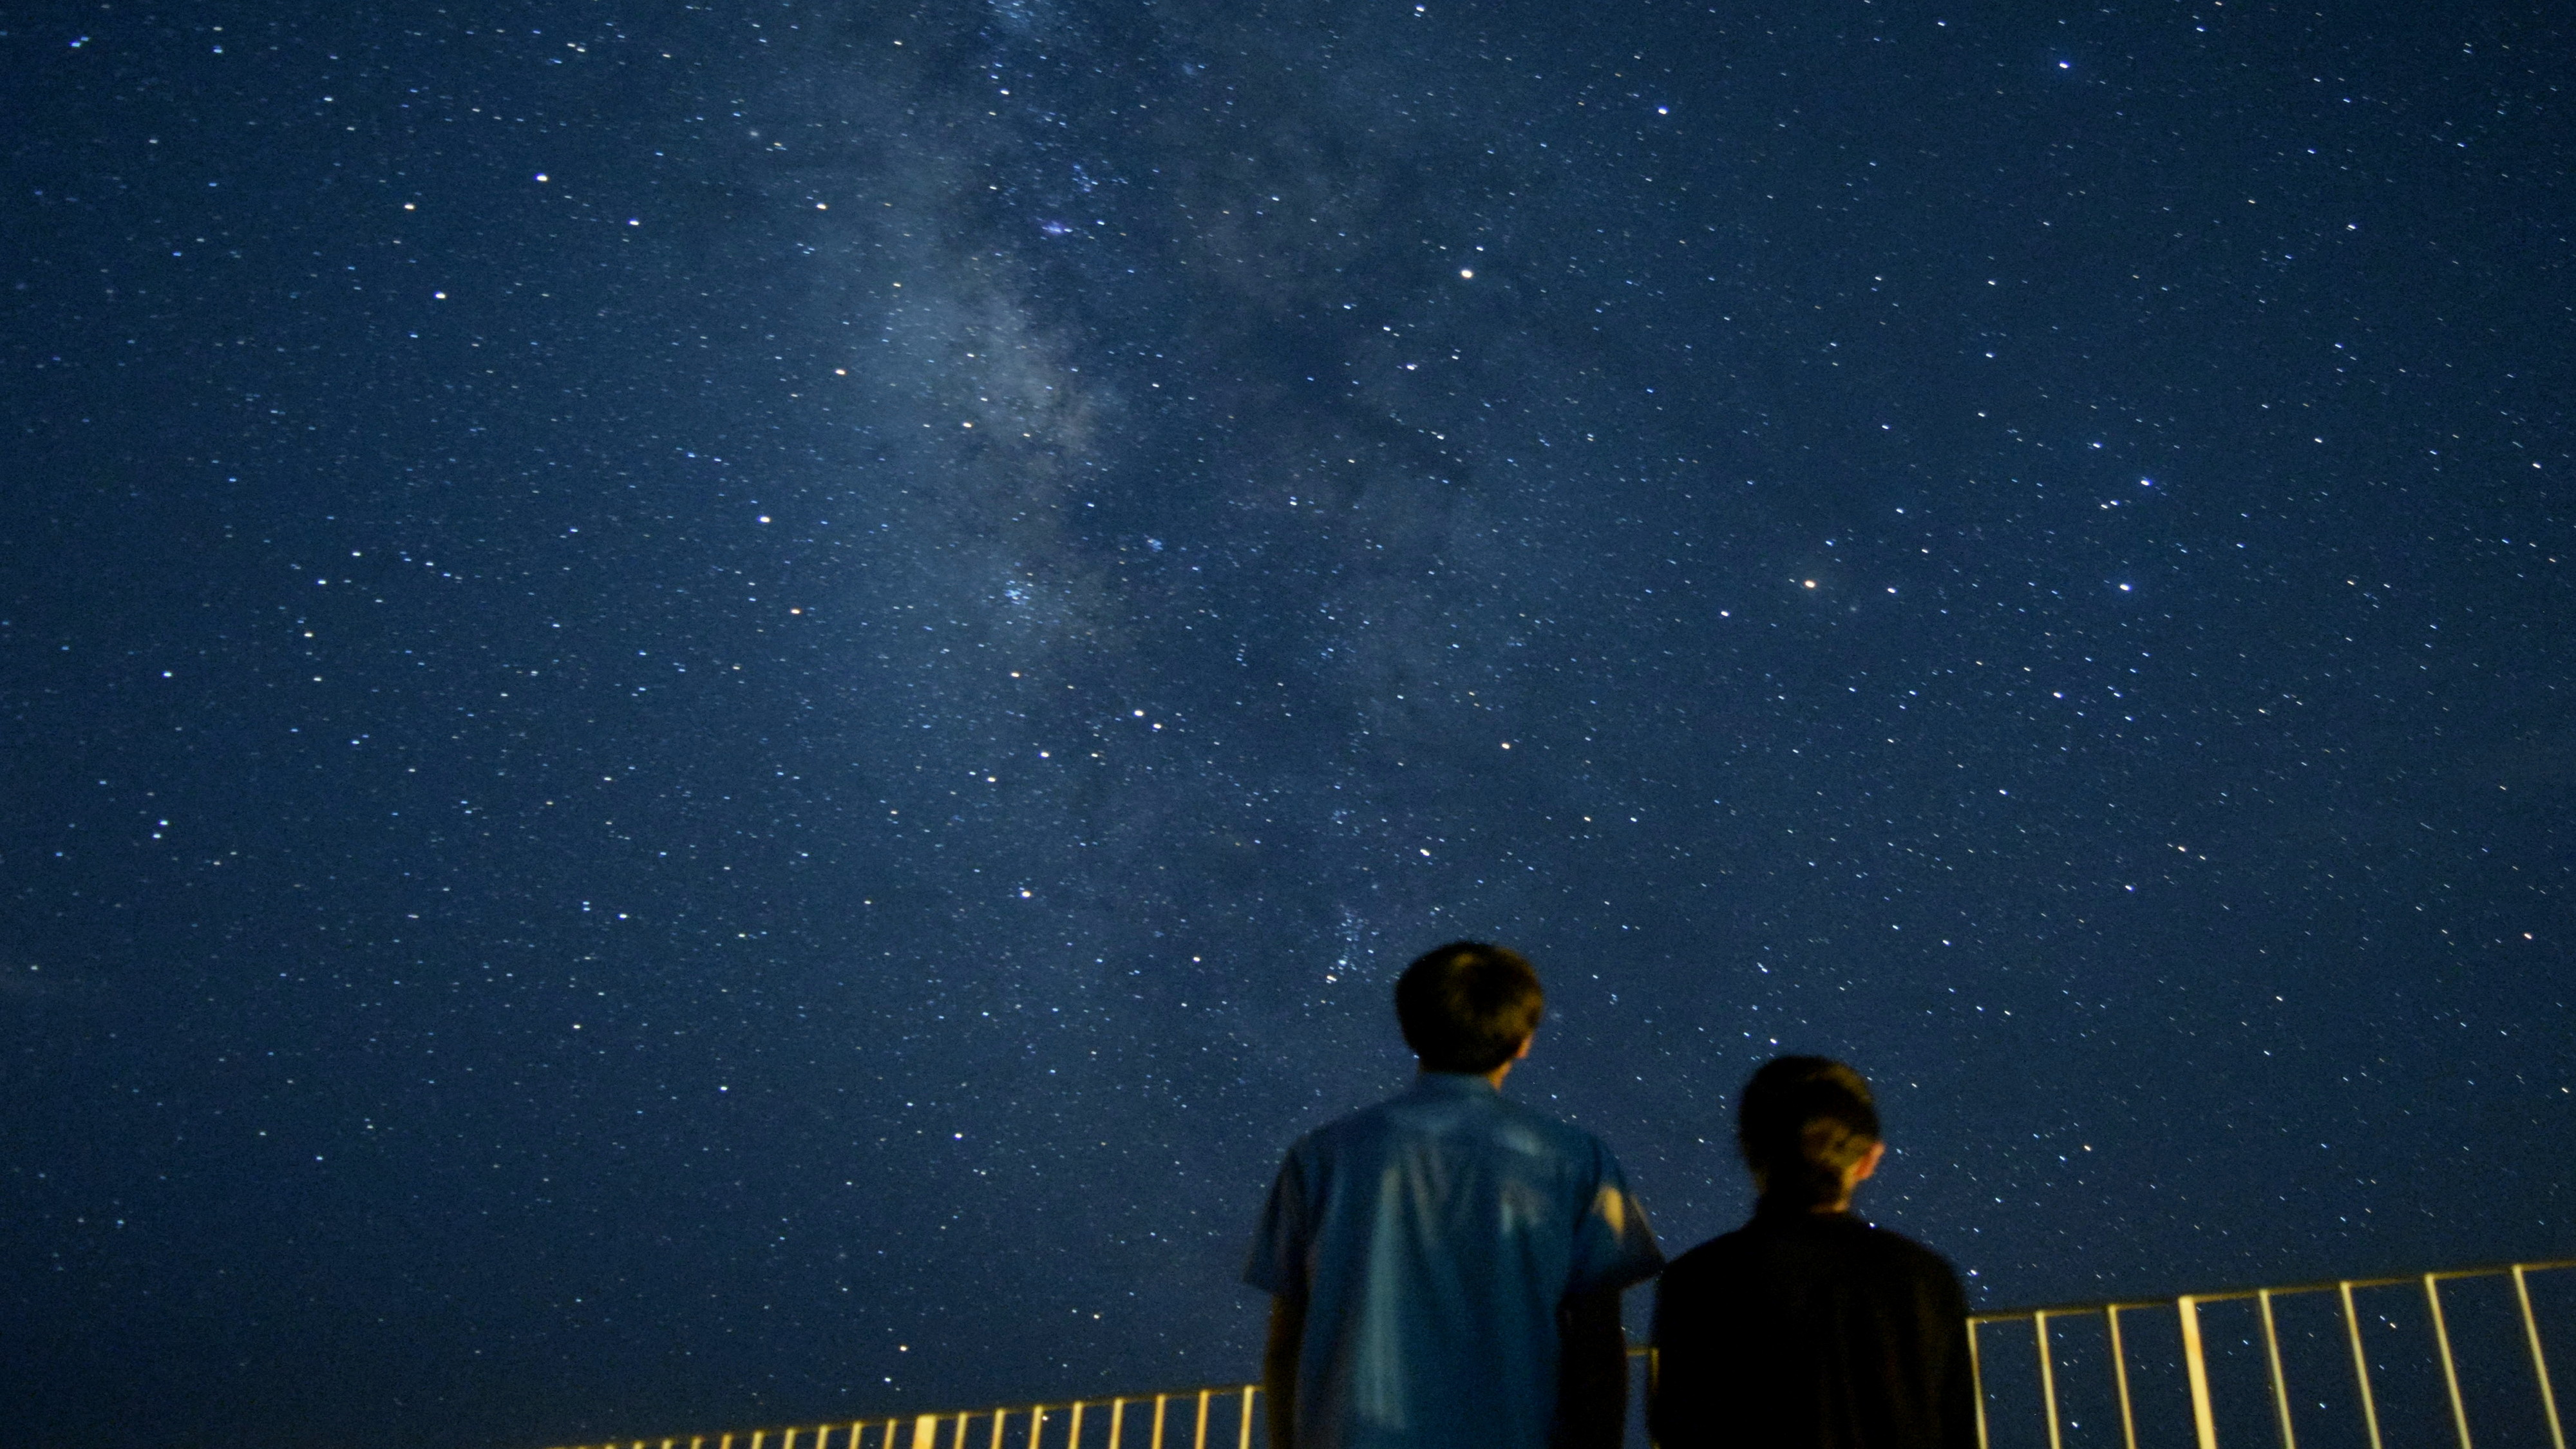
pixel 1454 1084
pixel 1767 1210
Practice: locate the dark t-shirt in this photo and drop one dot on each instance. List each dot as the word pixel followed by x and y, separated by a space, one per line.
pixel 1806 1330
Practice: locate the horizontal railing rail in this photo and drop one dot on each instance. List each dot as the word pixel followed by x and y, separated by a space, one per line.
pixel 1201 1409
pixel 1223 1416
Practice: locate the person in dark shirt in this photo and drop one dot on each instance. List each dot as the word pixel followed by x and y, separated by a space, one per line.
pixel 1807 1328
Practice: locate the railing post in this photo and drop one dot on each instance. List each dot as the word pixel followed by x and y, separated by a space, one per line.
pixel 1243 1438
pixel 2203 1424
pixel 2360 1363
pixel 2120 1376
pixel 2280 1384
pixel 925 1432
pixel 1200 1442
pixel 2047 1376
pixel 1073 1437
pixel 2539 1363
pixel 1161 1402
pixel 2450 1371
pixel 1117 1421
pixel 998 1416
pixel 1976 1376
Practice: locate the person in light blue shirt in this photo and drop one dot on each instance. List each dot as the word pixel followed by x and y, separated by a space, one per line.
pixel 1445 1267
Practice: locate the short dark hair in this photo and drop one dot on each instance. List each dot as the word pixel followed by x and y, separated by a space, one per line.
pixel 1468 1006
pixel 1801 1123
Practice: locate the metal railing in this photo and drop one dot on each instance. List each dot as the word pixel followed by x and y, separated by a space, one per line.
pixel 1217 1413
pixel 2196 1356
pixel 1224 1408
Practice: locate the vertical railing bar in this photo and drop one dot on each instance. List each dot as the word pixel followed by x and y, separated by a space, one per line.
pixel 2120 1377
pixel 2280 1383
pixel 1201 1441
pixel 756 1436
pixel 2360 1363
pixel 1243 1436
pixel 2047 1376
pixel 999 1415
pixel 1037 1425
pixel 2441 1340
pixel 1976 1376
pixel 1073 1437
pixel 1117 1421
pixel 2204 1424
pixel 1161 1402
pixel 2539 1363
pixel 790 1441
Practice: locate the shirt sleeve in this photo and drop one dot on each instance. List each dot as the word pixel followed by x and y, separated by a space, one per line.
pixel 1613 1246
pixel 1678 1399
pixel 1278 1261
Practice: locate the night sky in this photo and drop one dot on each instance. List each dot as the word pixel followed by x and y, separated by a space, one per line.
pixel 721 713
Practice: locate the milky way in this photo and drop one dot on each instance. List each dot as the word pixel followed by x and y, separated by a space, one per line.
pixel 722 715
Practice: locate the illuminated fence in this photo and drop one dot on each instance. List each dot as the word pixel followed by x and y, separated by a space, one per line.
pixel 2371 1363
pixel 1220 1415
pixel 2171 1373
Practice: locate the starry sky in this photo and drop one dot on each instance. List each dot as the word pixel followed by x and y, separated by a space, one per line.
pixel 718 714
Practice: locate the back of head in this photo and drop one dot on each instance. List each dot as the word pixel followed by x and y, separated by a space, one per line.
pixel 1468 1006
pixel 1802 1123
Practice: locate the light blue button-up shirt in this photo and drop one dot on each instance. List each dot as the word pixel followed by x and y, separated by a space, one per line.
pixel 1433 1236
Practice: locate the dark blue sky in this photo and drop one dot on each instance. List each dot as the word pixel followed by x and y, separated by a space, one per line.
pixel 718 714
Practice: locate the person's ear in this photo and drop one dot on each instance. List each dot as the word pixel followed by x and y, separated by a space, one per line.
pixel 1868 1163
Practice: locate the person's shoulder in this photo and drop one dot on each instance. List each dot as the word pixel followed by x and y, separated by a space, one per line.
pixel 1917 1260
pixel 1699 1281
pixel 1557 1137
pixel 1712 1256
pixel 1352 1128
